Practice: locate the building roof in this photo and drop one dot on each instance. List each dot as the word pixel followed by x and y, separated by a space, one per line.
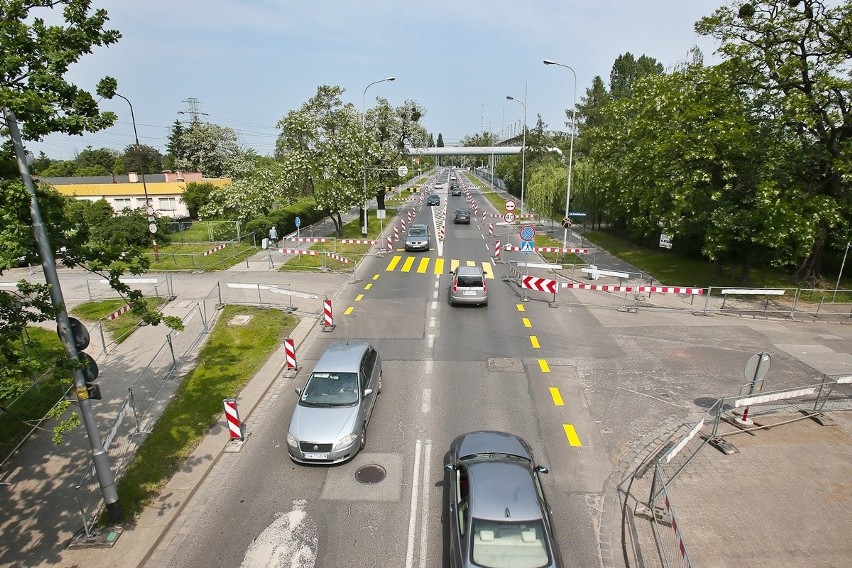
pixel 99 186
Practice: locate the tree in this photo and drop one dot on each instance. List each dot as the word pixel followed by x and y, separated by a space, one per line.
pixel 141 159
pixel 627 70
pixel 175 145
pixel 793 57
pixel 90 158
pixel 440 143
pixel 209 148
pixel 196 195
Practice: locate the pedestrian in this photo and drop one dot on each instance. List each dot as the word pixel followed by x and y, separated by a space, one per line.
pixel 273 237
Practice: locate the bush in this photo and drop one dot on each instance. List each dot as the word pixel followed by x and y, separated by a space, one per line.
pixel 285 219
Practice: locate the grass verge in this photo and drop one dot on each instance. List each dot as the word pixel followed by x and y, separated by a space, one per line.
pixel 229 359
pixel 121 327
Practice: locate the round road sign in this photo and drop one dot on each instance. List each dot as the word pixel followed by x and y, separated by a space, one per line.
pixel 757 367
pixel 402 170
pixel 510 205
pixel 152 227
pixel 509 217
pixel 527 233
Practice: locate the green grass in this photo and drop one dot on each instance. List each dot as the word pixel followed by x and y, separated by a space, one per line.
pixel 178 256
pixel 20 413
pixel 227 362
pixel 121 327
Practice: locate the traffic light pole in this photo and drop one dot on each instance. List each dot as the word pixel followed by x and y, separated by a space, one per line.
pixel 99 455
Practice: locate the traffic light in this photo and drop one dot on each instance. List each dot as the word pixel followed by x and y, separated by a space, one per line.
pixel 89 365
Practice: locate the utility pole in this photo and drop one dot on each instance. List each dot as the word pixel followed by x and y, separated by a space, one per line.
pixel 193 111
pixel 105 476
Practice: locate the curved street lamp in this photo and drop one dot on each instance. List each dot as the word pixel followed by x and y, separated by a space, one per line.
pixel 571 151
pixel 524 146
pixel 364 127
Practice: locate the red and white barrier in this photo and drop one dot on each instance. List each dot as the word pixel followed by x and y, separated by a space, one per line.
pixel 338 257
pixel 403 225
pixel 327 319
pixel 358 242
pixel 395 233
pixel 215 249
pixel 515 248
pixel 441 233
pixel 308 252
pixel 290 353
pixel 484 216
pixel 390 243
pixel 657 289
pixel 308 239
pixel 598 287
pixel 497 250
pixel 122 310
pixel 540 284
pixel 490 229
pixel 233 417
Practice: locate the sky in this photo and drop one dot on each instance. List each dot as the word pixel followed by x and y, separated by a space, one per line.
pixel 249 62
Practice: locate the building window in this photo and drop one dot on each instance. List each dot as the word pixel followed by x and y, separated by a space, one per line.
pixel 121 203
pixel 168 203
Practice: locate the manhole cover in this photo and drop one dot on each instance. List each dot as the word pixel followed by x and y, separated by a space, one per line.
pixel 241 320
pixel 370 474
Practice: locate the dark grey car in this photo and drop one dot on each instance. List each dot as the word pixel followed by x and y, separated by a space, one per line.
pixel 498 515
pixel 329 423
pixel 418 238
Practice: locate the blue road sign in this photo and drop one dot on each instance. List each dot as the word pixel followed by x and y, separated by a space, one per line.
pixel 526 246
pixel 577 214
pixel 527 233
pixel 298 222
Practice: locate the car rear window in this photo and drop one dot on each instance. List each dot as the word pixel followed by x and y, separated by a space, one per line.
pixel 470 281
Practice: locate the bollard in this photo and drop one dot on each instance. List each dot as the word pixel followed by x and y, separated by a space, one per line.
pixel 484 216
pixel 390 243
pixel 328 320
pixel 496 251
pixel 395 233
pixel 233 416
pixel 490 229
pixel 290 353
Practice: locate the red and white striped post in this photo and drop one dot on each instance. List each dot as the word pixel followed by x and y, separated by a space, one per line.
pixel 234 426
pixel 327 319
pixel 484 216
pixel 390 243
pixel 290 354
pixel 497 251
pixel 490 229
pixel 395 233
pixel 403 225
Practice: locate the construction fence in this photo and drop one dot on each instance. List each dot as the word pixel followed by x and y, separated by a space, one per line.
pixel 653 534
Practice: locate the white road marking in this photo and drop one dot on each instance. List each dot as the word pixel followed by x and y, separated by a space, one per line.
pixel 291 540
pixel 430 341
pixel 424 514
pixel 412 518
pixel 427 401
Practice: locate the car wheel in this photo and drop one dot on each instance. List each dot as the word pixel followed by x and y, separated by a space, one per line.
pixel 363 437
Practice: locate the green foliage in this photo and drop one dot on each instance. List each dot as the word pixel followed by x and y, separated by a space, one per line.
pixel 196 195
pixel 284 219
pixel 208 148
pixel 140 159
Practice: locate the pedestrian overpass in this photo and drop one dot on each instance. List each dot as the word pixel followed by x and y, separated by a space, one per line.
pixel 466 151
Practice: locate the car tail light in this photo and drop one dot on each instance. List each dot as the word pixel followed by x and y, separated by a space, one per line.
pixel 484 286
pixel 455 285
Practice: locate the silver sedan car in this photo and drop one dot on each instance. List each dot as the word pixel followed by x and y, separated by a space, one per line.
pixel 469 286
pixel 329 423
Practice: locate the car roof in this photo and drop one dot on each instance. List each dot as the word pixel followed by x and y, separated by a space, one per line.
pixel 469 271
pixel 499 484
pixel 342 357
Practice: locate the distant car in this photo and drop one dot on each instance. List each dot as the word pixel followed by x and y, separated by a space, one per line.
pixel 439 186
pixel 418 238
pixel 462 216
pixel 456 191
pixel 469 286
pixel 498 514
pixel 329 423
pixel 433 200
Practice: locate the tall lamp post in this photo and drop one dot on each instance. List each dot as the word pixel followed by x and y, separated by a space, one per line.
pixel 570 152
pixel 524 144
pixel 364 127
pixel 149 209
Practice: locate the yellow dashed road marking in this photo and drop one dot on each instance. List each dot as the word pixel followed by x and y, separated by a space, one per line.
pixel 376 277
pixel 439 266
pixel 348 310
pixel 545 368
pixel 368 286
pixel 392 265
pixel 557 398
pixel 424 264
pixel 486 268
pixel 527 322
pixel 453 265
pixel 471 263
pixel 406 266
pixel 358 297
pixel 520 307
pixel 573 439
pixel 534 342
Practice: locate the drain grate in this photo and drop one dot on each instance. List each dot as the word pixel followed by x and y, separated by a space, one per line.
pixel 370 474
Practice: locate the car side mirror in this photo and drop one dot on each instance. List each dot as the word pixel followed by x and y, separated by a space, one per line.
pixel 299 392
pixel 541 469
pixel 368 392
pixel 450 467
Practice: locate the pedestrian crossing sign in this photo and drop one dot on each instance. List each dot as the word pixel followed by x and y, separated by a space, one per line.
pixel 526 246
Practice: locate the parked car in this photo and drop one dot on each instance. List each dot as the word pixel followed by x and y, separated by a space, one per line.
pixel 498 514
pixel 469 286
pixel 433 200
pixel 329 423
pixel 462 216
pixel 418 238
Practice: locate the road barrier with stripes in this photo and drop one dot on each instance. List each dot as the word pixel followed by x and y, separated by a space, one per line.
pixel 540 284
pixel 122 310
pixel 215 249
pixel 497 251
pixel 308 239
pixel 339 257
pixel 306 252
pixel 290 354
pixel 490 229
pixel 515 248
pixel 327 319
pixel 233 416
pixel 359 241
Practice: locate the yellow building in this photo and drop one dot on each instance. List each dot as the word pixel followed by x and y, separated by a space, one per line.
pixel 165 190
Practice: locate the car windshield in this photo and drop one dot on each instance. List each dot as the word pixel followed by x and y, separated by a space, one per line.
pixel 499 544
pixel 417 232
pixel 330 389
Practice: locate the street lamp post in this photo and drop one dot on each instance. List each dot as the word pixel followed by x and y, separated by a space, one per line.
pixel 148 205
pixel 364 127
pixel 524 144
pixel 570 152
